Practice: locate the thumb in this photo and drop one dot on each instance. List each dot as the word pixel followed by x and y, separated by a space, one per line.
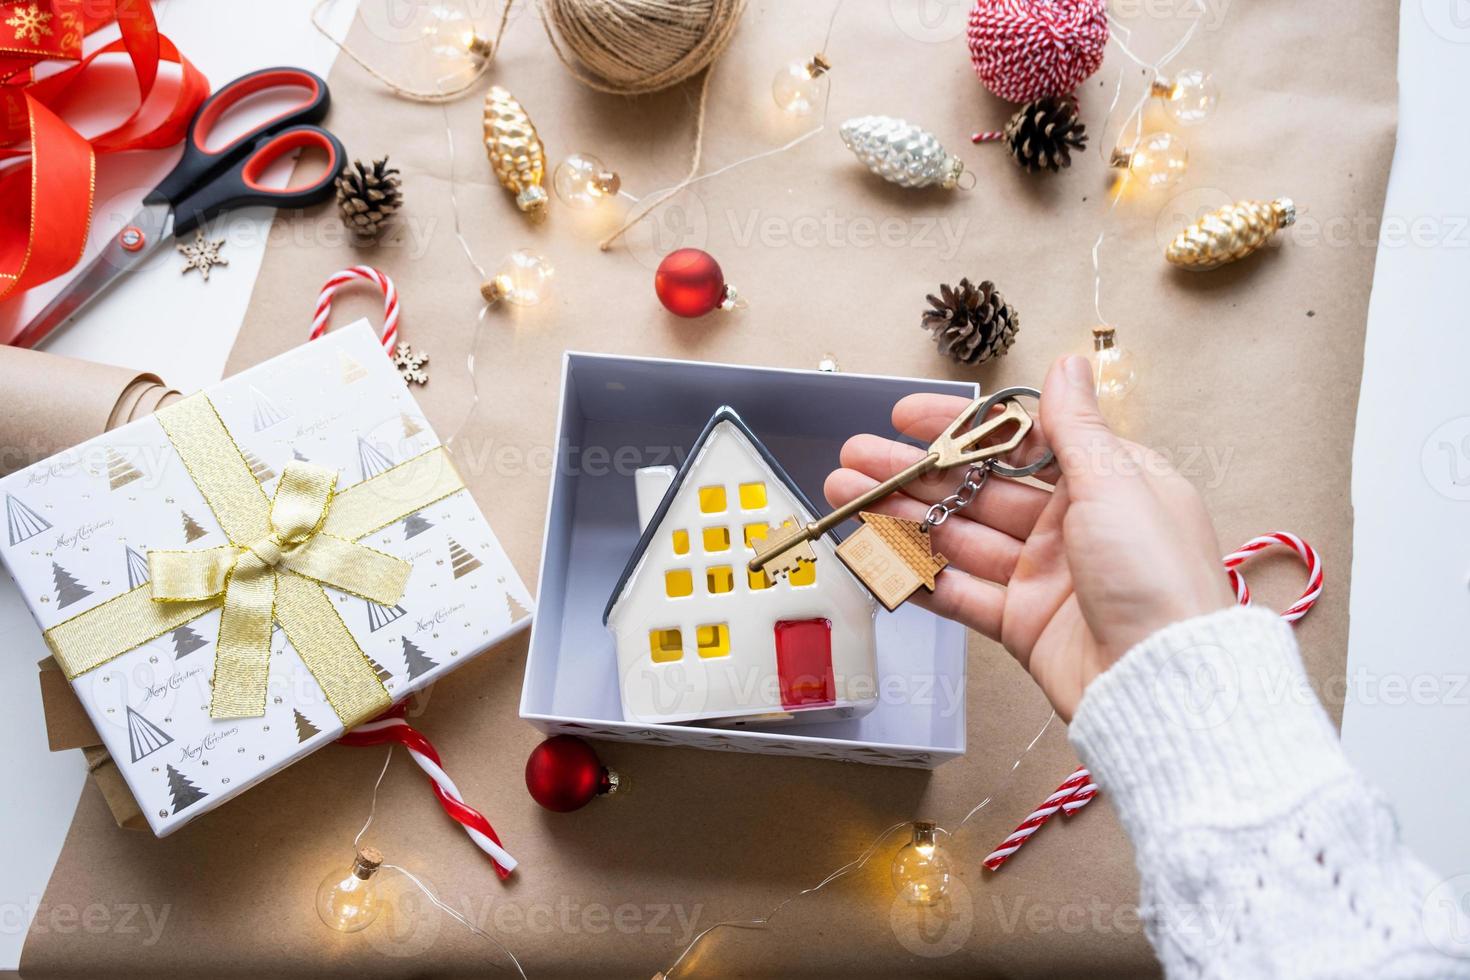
pixel 1072 421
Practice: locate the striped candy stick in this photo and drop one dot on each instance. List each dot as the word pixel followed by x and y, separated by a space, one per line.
pixel 393 728
pixel 368 274
pixel 1080 780
pixel 1286 539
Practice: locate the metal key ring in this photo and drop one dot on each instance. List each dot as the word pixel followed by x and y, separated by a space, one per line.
pixel 1001 469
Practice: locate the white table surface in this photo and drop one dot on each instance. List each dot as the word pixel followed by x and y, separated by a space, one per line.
pixel 1410 603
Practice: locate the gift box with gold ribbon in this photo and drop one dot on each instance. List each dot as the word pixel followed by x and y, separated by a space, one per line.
pixel 236 580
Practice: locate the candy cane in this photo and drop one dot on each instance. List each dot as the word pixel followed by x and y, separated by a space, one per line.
pixel 1076 783
pixel 1080 796
pixel 392 729
pixel 340 279
pixel 1304 551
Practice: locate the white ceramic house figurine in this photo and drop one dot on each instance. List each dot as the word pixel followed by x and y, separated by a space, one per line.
pixel 700 637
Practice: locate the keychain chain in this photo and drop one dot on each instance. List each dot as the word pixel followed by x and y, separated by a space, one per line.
pixel 969 489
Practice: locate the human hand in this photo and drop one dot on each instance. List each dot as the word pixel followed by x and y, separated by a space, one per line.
pixel 1068 579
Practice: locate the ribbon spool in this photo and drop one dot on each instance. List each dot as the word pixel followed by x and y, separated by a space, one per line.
pixel 46 201
pixel 1286 539
pixel 346 276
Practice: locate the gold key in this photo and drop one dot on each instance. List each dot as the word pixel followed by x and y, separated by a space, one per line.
pixel 790 545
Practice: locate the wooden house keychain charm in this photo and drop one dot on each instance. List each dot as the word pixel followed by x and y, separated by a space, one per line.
pixel 891 556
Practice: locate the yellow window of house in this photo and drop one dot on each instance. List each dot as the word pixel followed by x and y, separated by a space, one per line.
pixel 756 533
pixel 804 575
pixel 719 579
pixel 666 646
pixel 681 542
pixel 712 500
pixel 752 496
pixel 757 580
pixel 713 641
pixel 678 582
pixel 717 539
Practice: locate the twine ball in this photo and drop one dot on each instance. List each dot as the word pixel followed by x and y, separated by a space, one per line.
pixel 1032 49
pixel 629 47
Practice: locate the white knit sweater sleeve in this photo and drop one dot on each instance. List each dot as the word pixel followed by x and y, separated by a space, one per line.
pixel 1261 852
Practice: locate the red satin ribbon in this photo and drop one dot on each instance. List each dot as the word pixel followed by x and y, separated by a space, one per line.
pixel 46 202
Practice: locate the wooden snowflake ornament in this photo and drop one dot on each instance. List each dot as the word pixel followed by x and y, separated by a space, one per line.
pixel 203 254
pixel 410 364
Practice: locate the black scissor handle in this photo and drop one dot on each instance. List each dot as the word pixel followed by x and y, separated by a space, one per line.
pixel 241 187
pixel 198 164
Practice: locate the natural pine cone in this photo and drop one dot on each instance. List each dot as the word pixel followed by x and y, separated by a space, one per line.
pixel 971 323
pixel 368 196
pixel 1043 134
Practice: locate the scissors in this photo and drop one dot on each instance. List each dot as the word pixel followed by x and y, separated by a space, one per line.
pixel 206 182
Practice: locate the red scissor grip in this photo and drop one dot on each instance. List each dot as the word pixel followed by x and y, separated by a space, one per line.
pixel 241 89
pixel 278 147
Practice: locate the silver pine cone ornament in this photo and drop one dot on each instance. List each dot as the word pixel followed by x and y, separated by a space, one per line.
pixel 1229 233
pixel 971 323
pixel 368 196
pixel 900 152
pixel 1043 134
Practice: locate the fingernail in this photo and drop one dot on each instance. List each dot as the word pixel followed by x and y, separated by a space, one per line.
pixel 1078 372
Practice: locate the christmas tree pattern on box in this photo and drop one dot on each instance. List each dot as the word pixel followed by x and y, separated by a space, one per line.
pixel 153 712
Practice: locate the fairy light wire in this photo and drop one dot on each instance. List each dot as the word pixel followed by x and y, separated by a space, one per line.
pixel 857 863
pixel 1122 37
pixel 419 883
pixel 664 195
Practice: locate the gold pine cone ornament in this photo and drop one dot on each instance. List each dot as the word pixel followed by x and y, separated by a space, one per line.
pixel 1229 233
pixel 515 150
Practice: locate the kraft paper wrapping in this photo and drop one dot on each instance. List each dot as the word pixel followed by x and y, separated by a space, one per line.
pixel 1250 378
pixel 49 403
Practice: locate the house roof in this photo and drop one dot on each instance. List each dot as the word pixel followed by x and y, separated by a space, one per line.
pixel 912 543
pixel 722 414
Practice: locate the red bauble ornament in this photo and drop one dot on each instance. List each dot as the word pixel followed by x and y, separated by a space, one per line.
pixel 564 774
pixel 1027 51
pixel 689 283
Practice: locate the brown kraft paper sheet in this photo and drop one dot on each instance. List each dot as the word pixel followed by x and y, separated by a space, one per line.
pixel 1250 378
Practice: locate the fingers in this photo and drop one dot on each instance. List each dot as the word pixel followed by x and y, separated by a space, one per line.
pixel 1074 426
pixel 971 547
pixel 967 600
pixel 925 416
pixel 1005 505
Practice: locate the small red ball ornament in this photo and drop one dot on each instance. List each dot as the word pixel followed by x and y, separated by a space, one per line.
pixel 689 283
pixel 564 774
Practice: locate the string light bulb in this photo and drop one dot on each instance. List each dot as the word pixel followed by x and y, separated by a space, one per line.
pixel 349 902
pixel 458 53
pixel 1190 97
pixel 582 182
pixel 1158 160
pixel 523 279
pixel 921 867
pixel 798 87
pixel 1113 371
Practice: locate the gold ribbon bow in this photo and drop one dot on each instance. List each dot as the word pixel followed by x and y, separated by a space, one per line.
pixel 281 552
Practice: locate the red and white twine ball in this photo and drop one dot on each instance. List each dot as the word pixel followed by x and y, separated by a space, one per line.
pixel 1079 788
pixel 364 273
pixel 1028 49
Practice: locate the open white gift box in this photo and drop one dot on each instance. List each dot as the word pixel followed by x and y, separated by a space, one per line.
pixel 621 414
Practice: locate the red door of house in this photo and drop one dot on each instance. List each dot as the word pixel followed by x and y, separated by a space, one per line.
pixel 804 663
